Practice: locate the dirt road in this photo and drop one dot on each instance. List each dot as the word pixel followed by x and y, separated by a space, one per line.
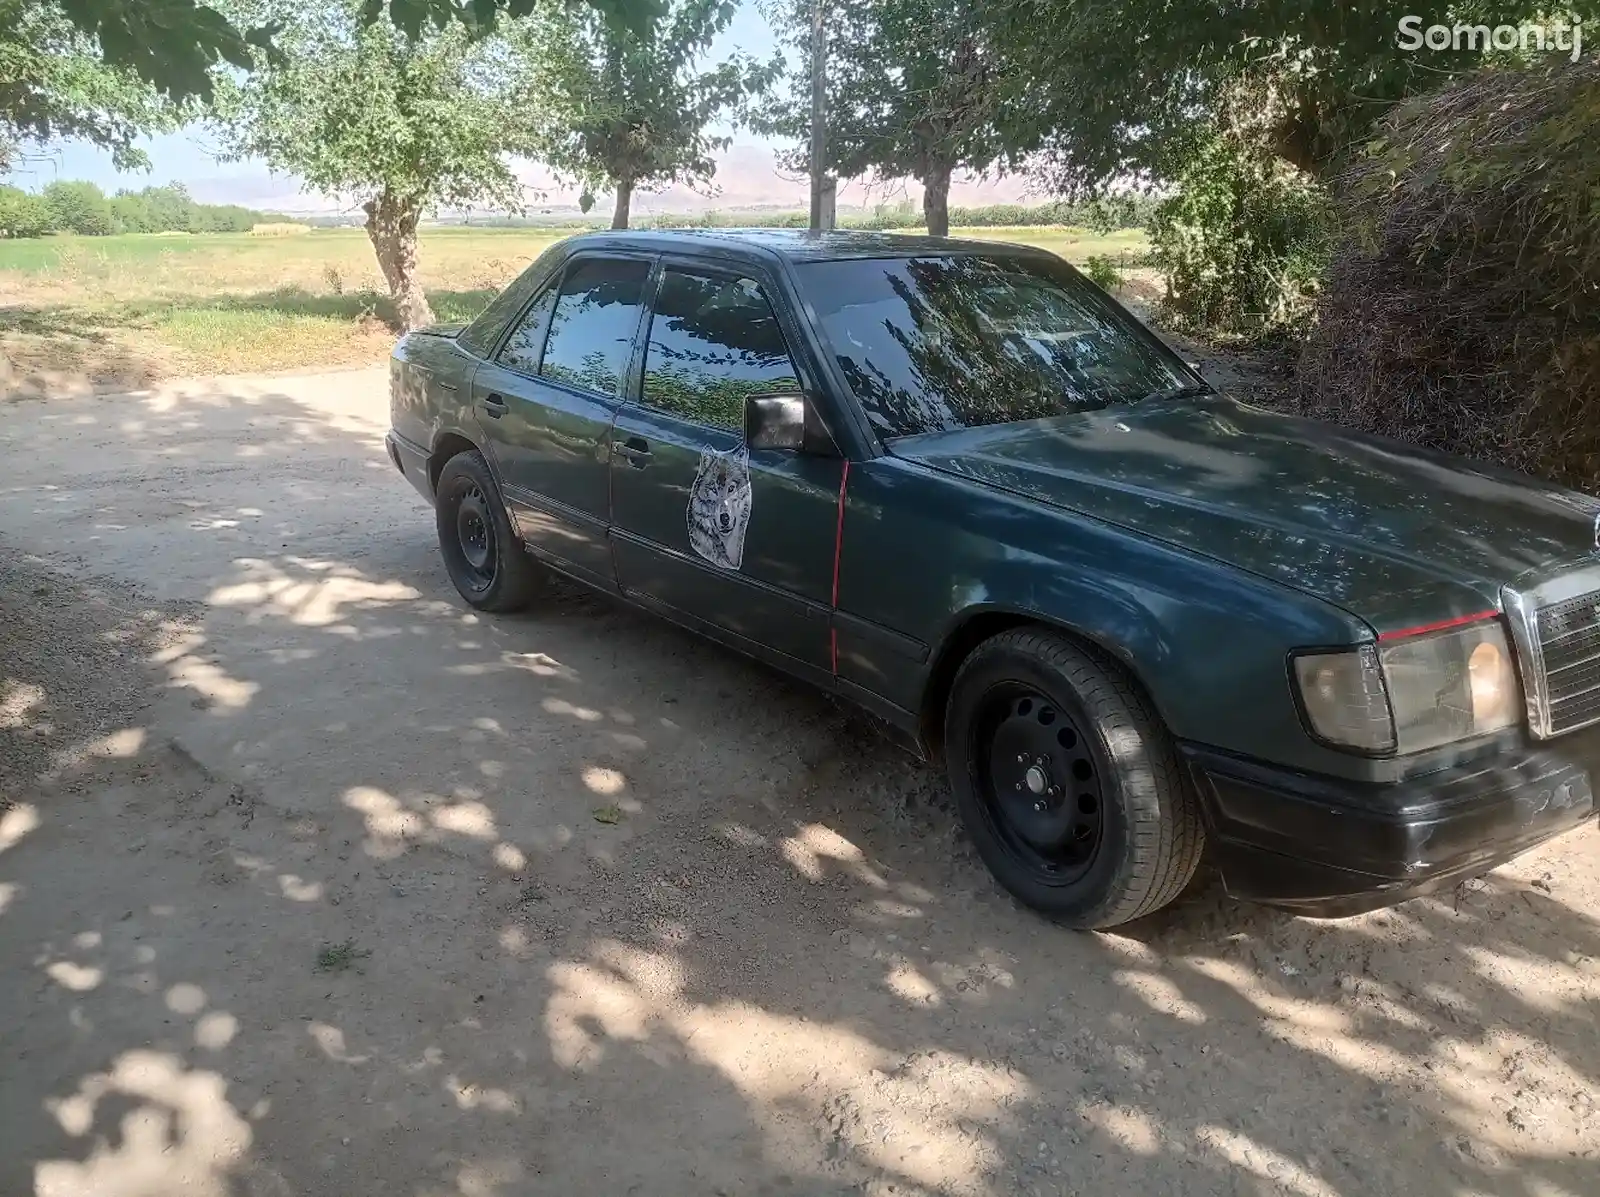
pixel 312 882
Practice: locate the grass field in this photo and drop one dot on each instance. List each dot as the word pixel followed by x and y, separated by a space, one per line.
pixel 82 313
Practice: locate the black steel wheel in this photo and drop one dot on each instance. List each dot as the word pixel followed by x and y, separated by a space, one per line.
pixel 475 538
pixel 1089 836
pixel 1039 783
pixel 487 563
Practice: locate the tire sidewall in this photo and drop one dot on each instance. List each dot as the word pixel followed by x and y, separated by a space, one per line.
pixel 460 473
pixel 1082 901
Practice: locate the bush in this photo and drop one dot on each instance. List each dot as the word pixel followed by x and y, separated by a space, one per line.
pixel 22 215
pixel 1459 311
pixel 1102 272
pixel 1243 242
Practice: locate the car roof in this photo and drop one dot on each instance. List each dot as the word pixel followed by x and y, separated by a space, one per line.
pixel 795 245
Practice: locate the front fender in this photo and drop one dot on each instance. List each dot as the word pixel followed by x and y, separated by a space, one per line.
pixel 929 557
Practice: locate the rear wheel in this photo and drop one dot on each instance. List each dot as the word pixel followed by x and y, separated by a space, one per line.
pixel 1067 781
pixel 481 553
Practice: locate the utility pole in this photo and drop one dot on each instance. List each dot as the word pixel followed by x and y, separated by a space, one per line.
pixel 822 187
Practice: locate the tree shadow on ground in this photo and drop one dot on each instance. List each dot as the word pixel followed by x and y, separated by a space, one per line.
pixel 643 917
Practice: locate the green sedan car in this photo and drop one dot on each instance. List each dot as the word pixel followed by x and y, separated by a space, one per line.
pixel 1143 624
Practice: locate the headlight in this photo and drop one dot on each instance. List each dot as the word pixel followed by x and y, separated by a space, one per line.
pixel 1413 692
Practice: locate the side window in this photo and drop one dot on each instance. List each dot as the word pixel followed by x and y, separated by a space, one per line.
pixel 592 327
pixel 521 350
pixel 713 341
pixel 479 336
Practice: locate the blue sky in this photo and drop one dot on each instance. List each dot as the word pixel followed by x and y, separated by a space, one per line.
pixel 189 155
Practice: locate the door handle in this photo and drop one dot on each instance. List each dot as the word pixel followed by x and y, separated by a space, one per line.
pixel 494 406
pixel 636 451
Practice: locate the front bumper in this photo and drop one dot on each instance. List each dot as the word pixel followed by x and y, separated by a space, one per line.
pixel 1330 847
pixel 411 459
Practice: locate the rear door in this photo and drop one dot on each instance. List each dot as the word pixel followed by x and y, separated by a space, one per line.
pixel 546 400
pixel 740 543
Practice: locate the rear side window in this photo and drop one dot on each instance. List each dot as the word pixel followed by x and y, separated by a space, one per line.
pixel 713 341
pixel 521 350
pixel 594 322
pixel 479 336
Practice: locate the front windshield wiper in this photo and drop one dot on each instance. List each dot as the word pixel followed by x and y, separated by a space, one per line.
pixel 1179 390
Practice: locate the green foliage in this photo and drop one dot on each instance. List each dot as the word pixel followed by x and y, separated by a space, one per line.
pixel 619 109
pixel 79 207
pixel 1242 241
pixel 53 85
pixel 1122 85
pixel 1102 272
pixel 401 123
pixel 915 89
pixel 358 109
pixel 22 215
pixel 177 45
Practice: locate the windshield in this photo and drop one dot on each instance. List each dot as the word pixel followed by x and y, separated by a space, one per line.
pixel 939 343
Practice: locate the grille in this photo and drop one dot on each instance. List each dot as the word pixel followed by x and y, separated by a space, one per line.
pixel 1569 640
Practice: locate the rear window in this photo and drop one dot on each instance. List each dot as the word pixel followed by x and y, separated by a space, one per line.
pixel 931 344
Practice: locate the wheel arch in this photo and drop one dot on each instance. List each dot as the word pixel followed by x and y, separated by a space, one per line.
pixel 446 445
pixel 977 625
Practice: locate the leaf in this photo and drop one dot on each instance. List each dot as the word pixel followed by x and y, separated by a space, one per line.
pixel 607 814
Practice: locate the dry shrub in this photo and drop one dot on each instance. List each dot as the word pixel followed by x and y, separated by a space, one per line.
pixel 278 228
pixel 1460 311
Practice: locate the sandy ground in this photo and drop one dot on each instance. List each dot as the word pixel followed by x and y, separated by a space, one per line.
pixel 313 882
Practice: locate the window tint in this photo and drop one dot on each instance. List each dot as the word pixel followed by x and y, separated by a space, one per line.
pixel 479 336
pixel 521 350
pixel 713 341
pixel 931 344
pixel 595 318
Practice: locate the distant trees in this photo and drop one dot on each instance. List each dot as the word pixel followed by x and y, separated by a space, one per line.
pixel 78 208
pixel 69 206
pixel 22 215
pixel 620 108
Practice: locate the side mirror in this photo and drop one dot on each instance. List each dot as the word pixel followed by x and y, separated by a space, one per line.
pixel 775 421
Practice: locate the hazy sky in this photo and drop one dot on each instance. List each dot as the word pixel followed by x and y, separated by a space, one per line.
pixel 746 173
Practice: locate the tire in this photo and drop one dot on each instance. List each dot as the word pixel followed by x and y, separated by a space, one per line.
pixel 483 556
pixel 1068 782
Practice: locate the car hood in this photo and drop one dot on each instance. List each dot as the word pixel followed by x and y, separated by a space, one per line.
pixel 1389 532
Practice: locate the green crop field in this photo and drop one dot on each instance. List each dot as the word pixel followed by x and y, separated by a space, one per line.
pixel 120 312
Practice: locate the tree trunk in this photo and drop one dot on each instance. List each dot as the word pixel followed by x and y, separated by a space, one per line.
pixel 936 200
pixel 619 218
pixel 392 228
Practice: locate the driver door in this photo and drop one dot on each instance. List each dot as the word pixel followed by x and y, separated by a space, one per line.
pixel 738 543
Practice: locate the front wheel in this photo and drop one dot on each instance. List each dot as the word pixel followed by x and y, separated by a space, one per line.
pixel 481 553
pixel 1067 781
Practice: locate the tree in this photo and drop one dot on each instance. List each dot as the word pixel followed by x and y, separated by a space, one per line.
pixel 22 215
pixel 53 85
pixel 914 89
pixel 77 207
pixel 1135 88
pixel 619 110
pixel 399 123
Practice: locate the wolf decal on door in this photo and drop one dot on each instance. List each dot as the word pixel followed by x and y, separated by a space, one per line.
pixel 719 506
